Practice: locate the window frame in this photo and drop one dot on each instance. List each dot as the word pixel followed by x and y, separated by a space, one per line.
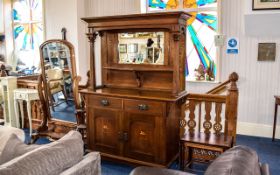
pixel 13 24
pixel 218 9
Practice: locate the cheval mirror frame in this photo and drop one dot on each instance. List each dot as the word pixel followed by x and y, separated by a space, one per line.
pixel 52 127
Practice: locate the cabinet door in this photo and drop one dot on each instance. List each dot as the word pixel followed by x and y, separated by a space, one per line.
pixel 140 133
pixel 103 130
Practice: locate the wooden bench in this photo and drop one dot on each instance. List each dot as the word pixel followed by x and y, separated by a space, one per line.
pixel 205 138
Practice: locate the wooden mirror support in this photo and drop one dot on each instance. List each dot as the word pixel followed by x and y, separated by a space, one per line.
pixel 49 127
pixel 134 115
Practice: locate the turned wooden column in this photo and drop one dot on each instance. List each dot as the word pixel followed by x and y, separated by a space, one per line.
pixel 92 35
pixel 44 107
pixel 231 107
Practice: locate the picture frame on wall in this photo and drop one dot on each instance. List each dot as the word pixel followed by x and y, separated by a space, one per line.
pixel 266 4
pixel 266 51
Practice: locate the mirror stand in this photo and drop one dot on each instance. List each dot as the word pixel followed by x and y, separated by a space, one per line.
pixel 58 72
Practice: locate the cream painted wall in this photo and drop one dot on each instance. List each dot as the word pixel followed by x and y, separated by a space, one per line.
pixel 2 48
pixel 68 13
pixel 9 47
pixel 83 46
pixel 108 8
pixel 112 7
pixel 59 14
pixel 1 17
pixel 259 81
pixel 269 22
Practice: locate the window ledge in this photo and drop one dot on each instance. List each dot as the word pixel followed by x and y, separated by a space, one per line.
pixel 203 81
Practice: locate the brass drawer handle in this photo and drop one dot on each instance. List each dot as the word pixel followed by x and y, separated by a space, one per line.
pixel 143 107
pixel 104 102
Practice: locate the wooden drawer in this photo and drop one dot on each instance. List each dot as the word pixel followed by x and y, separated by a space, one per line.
pixel 144 106
pixel 104 102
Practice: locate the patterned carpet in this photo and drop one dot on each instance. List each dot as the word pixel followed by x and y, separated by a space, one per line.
pixel 268 151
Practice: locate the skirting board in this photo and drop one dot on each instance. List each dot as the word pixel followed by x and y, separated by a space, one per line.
pixel 259 130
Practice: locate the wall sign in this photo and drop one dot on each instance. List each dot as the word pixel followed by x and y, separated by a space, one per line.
pixel 266 51
pixel 232 45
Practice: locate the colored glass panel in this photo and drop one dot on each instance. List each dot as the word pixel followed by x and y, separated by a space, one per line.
pixel 28 36
pixel 200 38
pixel 28 31
pixel 163 4
pixel 36 7
pixel 199 3
pixel 37 35
pixel 20 10
pixel 22 34
pixel 202 27
pixel 208 19
pixel 206 2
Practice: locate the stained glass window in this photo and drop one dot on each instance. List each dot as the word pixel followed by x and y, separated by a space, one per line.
pixel 28 30
pixel 163 4
pixel 201 61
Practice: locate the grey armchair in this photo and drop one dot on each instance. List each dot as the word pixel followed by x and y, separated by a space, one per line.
pixel 239 160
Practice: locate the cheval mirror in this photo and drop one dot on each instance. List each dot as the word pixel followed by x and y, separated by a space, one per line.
pixel 58 70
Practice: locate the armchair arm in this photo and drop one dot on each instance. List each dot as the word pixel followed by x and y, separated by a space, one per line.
pixel 264 169
pixel 90 165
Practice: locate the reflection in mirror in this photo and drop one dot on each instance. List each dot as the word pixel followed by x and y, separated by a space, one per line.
pixel 58 70
pixel 141 48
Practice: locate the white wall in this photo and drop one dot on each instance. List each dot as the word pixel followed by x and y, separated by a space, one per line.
pixel 95 8
pixel 83 44
pixel 2 48
pixel 9 47
pixel 112 7
pixel 59 14
pixel 68 14
pixel 268 19
pixel 1 17
pixel 259 81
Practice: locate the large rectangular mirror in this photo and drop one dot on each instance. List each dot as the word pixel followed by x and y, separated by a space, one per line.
pixel 58 70
pixel 141 48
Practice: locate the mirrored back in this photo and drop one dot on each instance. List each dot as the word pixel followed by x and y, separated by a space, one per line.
pixel 141 48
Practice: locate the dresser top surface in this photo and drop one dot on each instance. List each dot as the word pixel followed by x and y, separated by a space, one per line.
pixel 124 93
pixel 177 14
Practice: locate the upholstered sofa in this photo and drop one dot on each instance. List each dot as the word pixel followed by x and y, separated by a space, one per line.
pixel 64 157
pixel 239 160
